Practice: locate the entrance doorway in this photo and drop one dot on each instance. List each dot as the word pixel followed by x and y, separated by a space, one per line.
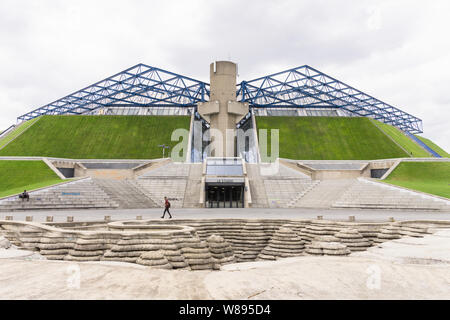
pixel 224 196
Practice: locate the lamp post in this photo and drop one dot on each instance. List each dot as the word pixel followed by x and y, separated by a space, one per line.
pixel 164 147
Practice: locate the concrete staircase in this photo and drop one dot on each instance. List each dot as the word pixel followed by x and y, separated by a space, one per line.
pixel 323 194
pixel 171 169
pixel 280 193
pixel 369 194
pixel 169 180
pixel 294 202
pixel 279 189
pixel 126 193
pixel 81 194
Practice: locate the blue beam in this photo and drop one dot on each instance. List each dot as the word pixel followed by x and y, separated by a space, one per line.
pixel 300 87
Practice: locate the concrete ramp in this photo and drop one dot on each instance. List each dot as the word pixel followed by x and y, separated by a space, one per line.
pixel 193 187
pixel 257 188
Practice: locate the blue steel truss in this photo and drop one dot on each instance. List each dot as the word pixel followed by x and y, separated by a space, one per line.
pixel 307 87
pixel 302 87
pixel 140 85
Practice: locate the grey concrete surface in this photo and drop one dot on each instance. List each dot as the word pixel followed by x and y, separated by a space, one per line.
pixel 411 271
pixel 217 213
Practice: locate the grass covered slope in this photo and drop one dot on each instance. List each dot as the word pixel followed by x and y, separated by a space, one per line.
pixel 414 150
pixel 429 177
pixel 330 138
pixel 17 176
pixel 434 146
pixel 16 132
pixel 97 137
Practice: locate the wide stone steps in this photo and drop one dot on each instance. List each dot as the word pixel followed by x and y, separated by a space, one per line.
pixel 370 195
pixel 280 193
pixel 78 194
pixel 126 193
pixel 324 194
pixel 171 169
pixel 157 189
pixel 294 202
pixel 277 187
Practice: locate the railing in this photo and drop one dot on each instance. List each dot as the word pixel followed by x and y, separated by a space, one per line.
pixel 5 132
pixel 434 153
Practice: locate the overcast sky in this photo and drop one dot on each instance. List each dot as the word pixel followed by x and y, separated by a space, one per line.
pixel 397 51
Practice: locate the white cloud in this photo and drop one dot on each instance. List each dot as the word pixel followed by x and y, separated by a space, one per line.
pixel 398 51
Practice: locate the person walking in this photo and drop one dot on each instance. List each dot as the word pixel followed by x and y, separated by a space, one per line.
pixel 166 206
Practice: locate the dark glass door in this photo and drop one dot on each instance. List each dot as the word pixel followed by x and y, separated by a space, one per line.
pixel 224 196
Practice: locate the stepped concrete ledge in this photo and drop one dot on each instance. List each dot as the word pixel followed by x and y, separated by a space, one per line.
pixel 415 192
pixel 429 249
pixel 405 265
pixel 346 169
pixel 81 193
pixel 370 193
pixel 35 191
pixel 126 193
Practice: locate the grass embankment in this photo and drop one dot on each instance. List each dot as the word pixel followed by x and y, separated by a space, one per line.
pixel 330 138
pixel 16 176
pixel 413 149
pixel 98 137
pixel 434 146
pixel 16 132
pixel 429 177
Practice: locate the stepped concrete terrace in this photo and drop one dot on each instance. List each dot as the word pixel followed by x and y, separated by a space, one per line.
pixel 182 243
pixel 168 180
pixel 79 194
pixel 288 186
pixel 365 193
pixel 323 194
pixel 355 189
pixel 126 193
pixel 276 189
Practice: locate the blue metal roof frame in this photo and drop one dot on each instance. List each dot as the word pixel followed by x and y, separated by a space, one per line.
pixel 307 87
pixel 140 85
pixel 302 87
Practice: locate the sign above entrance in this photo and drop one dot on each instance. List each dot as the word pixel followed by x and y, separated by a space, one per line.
pixel 225 180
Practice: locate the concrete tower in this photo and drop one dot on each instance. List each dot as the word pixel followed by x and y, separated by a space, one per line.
pixel 222 111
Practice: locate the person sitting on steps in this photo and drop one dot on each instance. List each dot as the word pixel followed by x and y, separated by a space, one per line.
pixel 166 206
pixel 24 195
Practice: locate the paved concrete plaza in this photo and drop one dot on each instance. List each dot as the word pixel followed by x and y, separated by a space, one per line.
pixel 406 268
pixel 217 213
